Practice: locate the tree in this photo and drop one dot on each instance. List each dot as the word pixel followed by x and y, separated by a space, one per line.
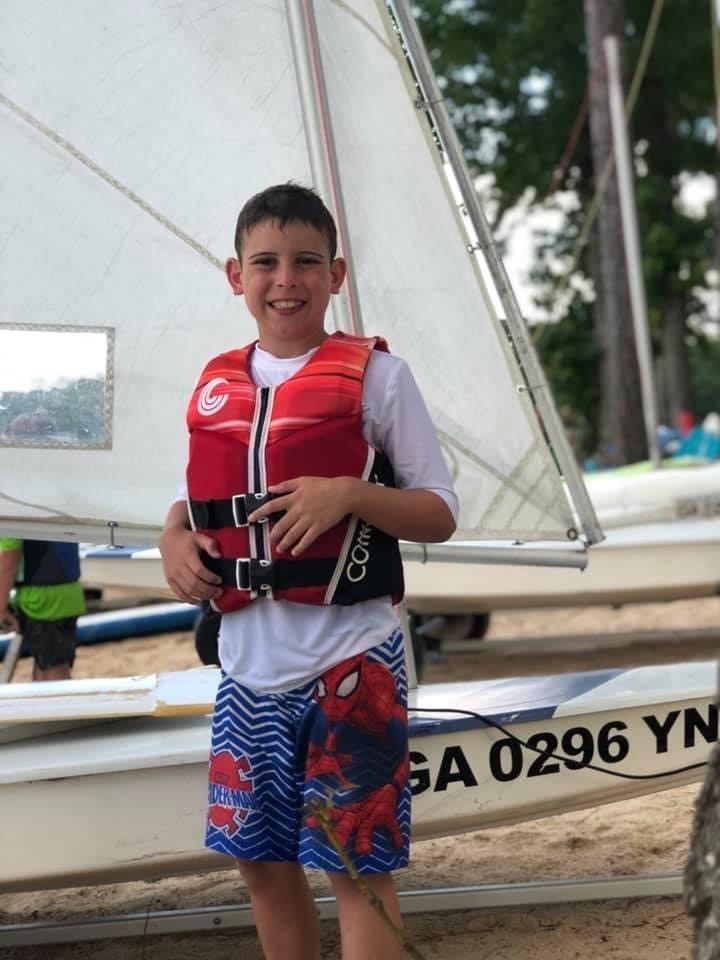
pixel 621 429
pixel 515 76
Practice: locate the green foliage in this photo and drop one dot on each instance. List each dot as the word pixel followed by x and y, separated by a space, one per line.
pixel 704 356
pixel 570 358
pixel 73 414
pixel 515 75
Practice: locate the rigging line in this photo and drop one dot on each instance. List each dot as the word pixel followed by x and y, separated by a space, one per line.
pixel 37 506
pixel 135 198
pixel 570 146
pixel 607 170
pixel 364 23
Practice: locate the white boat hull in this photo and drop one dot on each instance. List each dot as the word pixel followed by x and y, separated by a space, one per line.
pixel 638 564
pixel 622 497
pixel 126 799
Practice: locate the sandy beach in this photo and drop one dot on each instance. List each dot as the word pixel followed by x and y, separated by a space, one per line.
pixel 646 835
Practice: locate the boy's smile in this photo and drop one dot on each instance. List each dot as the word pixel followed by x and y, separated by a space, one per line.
pixel 287 278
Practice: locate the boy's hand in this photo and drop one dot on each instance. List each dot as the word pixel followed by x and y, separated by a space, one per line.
pixel 184 571
pixel 311 504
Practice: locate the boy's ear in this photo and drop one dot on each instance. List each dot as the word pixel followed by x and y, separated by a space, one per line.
pixel 233 271
pixel 338 271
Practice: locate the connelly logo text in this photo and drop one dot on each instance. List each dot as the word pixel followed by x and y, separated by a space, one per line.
pixel 359 555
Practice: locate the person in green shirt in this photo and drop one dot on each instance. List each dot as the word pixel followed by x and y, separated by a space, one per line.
pixel 47 602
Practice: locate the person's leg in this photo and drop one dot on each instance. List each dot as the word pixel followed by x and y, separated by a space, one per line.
pixel 61 672
pixel 52 645
pixel 254 811
pixel 363 933
pixel 284 910
pixel 357 769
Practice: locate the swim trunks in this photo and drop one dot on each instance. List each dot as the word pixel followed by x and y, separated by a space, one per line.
pixel 341 740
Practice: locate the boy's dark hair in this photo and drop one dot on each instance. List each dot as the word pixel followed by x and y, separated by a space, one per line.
pixel 286 203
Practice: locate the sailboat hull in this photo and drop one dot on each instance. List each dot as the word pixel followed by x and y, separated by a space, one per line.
pixel 635 564
pixel 126 798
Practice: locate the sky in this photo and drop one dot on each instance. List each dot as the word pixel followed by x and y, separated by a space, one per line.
pixel 42 358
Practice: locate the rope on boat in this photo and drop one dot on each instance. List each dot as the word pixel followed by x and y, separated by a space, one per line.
pixel 586 765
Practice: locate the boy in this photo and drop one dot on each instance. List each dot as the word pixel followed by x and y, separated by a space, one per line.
pixel 310 457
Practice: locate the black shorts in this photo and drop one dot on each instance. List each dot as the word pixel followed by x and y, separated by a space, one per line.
pixel 51 643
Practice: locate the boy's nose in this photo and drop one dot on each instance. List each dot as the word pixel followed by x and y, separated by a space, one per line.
pixel 286 276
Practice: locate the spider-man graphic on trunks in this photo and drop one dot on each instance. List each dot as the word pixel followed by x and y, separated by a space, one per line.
pixel 358 751
pixel 230 787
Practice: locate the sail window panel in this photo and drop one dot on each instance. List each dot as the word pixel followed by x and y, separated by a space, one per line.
pixel 56 387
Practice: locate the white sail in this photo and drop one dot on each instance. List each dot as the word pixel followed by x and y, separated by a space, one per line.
pixel 132 133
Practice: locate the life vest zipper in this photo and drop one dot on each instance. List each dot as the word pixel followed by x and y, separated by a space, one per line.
pixel 257 475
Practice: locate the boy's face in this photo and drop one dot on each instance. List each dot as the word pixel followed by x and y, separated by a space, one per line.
pixel 286 277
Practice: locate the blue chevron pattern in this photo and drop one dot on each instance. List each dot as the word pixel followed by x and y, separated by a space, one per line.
pixel 261 729
pixel 257 782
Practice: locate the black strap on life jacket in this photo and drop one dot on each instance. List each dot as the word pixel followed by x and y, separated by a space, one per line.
pixel 373 566
pixel 231 512
pixel 252 574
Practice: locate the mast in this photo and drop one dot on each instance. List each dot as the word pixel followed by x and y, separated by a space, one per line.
pixel 346 311
pixel 631 241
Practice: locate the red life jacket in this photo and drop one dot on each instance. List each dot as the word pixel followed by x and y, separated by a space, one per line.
pixel 244 439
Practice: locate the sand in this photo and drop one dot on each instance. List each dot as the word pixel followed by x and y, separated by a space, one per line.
pixel 648 835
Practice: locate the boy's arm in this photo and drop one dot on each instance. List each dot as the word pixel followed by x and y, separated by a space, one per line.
pixel 423 505
pixel 314 504
pixel 180 548
pixel 419 515
pixel 9 565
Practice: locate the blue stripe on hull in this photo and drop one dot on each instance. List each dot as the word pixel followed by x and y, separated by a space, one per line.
pixel 514 700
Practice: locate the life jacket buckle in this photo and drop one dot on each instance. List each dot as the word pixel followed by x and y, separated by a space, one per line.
pixel 243 505
pixel 253 574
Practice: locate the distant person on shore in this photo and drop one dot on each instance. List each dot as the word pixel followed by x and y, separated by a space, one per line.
pixel 47 602
pixel 311 455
